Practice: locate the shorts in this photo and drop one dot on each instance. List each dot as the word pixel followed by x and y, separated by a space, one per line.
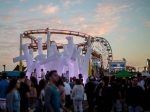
pixel 3 103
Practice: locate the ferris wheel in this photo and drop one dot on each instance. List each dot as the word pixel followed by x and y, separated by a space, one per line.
pixel 101 46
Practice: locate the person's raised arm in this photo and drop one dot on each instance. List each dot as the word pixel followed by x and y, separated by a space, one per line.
pixel 48 95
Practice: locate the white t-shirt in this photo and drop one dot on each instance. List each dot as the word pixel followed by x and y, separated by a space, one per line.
pixel 141 84
pixel 42 75
pixel 67 88
pixel 42 94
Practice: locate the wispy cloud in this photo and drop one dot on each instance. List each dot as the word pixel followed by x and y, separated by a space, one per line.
pixel 128 30
pixel 5 18
pixel 148 23
pixel 77 18
pixel 36 8
pixel 13 11
pixel 22 0
pixel 73 2
pixel 51 9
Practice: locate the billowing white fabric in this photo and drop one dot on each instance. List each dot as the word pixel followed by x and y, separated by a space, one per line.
pixel 19 58
pixel 27 55
pixel 85 65
pixel 69 60
pixel 31 54
pixel 40 50
pixel 70 45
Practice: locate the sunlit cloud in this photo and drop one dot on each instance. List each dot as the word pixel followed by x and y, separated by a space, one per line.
pixel 148 23
pixel 22 0
pixel 67 3
pixel 5 18
pixel 13 11
pixel 36 8
pixel 51 9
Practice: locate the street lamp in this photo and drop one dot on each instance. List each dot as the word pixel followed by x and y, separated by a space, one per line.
pixel 4 67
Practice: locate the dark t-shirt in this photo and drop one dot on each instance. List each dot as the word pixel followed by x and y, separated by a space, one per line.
pixel 134 96
pixel 147 99
pixel 89 90
pixel 116 89
pixel 24 100
pixel 123 89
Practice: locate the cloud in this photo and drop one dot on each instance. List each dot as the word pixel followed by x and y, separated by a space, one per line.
pixel 148 23
pixel 128 30
pixel 36 8
pixel 50 9
pixel 5 18
pixel 77 18
pixel 13 11
pixel 121 38
pixel 109 9
pixel 73 2
pixel 22 0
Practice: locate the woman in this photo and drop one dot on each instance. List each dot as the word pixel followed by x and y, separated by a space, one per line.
pixel 13 96
pixel 33 94
pixel 41 94
pixel 61 89
pixel 78 95
pixel 107 96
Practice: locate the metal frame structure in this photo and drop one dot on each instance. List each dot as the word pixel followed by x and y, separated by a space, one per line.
pixel 96 53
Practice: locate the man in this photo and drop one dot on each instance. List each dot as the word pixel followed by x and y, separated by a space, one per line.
pixel 141 82
pixel 117 93
pixel 42 74
pixel 24 93
pixel 52 97
pixel 67 92
pixel 147 97
pixel 89 90
pixel 67 75
pixel 134 96
pixel 34 74
pixel 3 86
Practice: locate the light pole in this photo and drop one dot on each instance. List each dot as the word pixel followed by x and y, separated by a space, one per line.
pixel 4 67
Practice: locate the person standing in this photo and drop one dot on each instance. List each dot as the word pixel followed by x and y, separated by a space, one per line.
pixel 3 86
pixel 33 94
pixel 147 98
pixel 134 96
pixel 107 96
pixel 68 93
pixel 13 96
pixel 34 74
pixel 60 85
pixel 24 93
pixel 42 74
pixel 52 96
pixel 89 90
pixel 141 82
pixel 78 95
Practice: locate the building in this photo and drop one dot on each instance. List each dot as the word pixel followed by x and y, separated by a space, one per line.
pixel 117 65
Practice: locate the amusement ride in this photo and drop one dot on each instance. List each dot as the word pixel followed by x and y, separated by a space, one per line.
pixel 101 49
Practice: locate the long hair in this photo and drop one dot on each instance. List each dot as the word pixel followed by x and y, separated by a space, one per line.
pixel 11 85
pixel 60 82
pixel 42 85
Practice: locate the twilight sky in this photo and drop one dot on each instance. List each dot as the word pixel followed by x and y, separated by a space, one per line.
pixel 124 23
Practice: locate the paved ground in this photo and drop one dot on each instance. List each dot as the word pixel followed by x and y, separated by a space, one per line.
pixel 85 107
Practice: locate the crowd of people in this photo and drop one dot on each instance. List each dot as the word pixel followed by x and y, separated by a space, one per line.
pixel 54 93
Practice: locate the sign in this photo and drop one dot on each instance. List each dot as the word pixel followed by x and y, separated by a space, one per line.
pixel 118 65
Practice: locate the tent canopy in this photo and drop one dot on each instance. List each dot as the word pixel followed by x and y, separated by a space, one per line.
pixel 123 73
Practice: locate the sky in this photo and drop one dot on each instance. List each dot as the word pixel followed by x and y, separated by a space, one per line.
pixel 124 23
